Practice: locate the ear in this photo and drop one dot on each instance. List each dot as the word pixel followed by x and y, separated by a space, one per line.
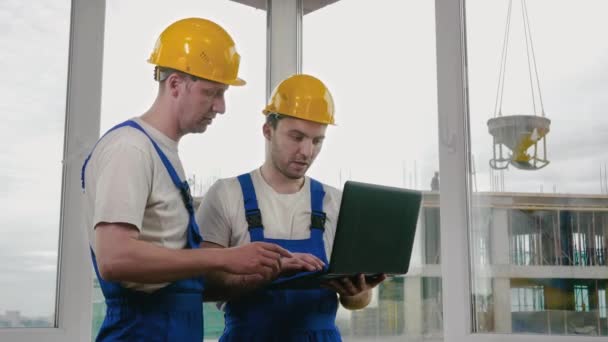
pixel 173 83
pixel 267 131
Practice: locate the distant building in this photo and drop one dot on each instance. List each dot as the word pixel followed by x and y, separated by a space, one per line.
pixel 539 262
pixel 13 317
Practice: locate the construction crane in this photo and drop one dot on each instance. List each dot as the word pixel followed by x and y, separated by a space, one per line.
pixel 522 135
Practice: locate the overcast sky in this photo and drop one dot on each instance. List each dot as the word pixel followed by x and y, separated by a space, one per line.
pixel 378 62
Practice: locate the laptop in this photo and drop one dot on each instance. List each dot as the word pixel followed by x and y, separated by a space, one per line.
pixel 374 235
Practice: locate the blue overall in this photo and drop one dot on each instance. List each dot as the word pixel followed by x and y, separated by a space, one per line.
pixel 284 315
pixel 173 313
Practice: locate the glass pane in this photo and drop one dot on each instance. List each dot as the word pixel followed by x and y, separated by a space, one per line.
pixel 128 45
pixel 382 74
pixel 539 176
pixel 35 43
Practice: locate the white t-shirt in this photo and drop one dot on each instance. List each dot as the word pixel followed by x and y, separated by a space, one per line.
pixel 126 181
pixel 221 215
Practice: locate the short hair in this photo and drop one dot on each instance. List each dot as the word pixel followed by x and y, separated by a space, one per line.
pixel 273 119
pixel 162 73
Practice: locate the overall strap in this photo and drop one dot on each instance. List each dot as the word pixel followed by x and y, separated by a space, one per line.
pixel 194 236
pixel 86 161
pixel 252 210
pixel 317 216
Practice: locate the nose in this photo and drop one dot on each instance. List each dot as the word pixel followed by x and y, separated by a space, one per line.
pixel 307 148
pixel 219 105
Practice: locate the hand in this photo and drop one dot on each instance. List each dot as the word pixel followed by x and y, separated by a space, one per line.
pixel 257 259
pixel 347 286
pixel 301 262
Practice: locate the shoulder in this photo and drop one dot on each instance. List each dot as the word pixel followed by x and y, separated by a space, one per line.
pixel 225 185
pixel 223 190
pixel 124 139
pixel 332 191
pixel 329 190
pixel 332 195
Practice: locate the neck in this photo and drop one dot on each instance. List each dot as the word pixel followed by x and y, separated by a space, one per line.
pixel 278 181
pixel 161 117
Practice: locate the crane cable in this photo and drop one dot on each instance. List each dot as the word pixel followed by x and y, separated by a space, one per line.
pixel 531 59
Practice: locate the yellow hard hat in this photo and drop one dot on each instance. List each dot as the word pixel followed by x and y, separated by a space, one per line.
pixel 304 97
pixel 198 47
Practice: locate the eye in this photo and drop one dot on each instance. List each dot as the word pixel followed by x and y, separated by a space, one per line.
pixel 317 141
pixel 296 137
pixel 210 92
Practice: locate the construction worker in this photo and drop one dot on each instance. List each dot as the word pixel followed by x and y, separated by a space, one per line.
pixel 278 203
pixel 143 236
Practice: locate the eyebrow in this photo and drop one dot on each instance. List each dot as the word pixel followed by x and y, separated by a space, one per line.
pixel 295 130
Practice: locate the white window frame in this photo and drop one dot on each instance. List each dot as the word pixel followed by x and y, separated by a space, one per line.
pixel 73 310
pixel 454 161
pixel 83 104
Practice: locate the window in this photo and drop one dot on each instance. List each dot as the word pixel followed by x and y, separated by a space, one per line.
pixel 523 248
pixel 579 246
pixel 530 298
pixel 535 111
pixel 378 60
pixel 600 249
pixel 31 141
pixel 581 298
pixel 602 302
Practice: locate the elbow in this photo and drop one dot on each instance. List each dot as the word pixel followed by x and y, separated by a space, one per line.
pixel 108 271
pixel 111 268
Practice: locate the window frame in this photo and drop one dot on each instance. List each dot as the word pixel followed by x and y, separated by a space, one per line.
pixel 73 309
pixel 83 106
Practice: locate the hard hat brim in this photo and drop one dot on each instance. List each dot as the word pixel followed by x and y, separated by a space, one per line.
pixel 237 82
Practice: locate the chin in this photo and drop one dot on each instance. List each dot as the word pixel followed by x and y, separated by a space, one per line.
pixel 201 129
pixel 296 175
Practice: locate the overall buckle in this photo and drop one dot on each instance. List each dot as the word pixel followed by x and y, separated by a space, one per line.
pixel 317 220
pixel 254 218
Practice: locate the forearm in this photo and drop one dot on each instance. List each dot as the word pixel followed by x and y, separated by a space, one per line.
pixel 143 262
pixel 223 286
pixel 358 301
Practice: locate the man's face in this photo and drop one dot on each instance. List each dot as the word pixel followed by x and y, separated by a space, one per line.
pixel 294 145
pixel 200 101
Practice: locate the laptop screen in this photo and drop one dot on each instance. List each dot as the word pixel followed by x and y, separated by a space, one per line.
pixel 375 230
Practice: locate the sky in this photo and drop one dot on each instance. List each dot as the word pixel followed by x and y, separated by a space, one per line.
pixel 379 64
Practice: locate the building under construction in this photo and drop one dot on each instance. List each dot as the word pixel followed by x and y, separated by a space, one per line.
pixel 540 267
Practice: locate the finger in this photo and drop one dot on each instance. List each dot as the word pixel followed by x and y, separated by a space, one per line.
pixel 349 286
pixel 310 263
pixel 359 281
pixel 340 287
pixel 290 265
pixel 252 280
pixel 333 285
pixel 313 260
pixel 273 263
pixel 276 249
pixel 271 259
pixel 307 266
pixel 375 281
